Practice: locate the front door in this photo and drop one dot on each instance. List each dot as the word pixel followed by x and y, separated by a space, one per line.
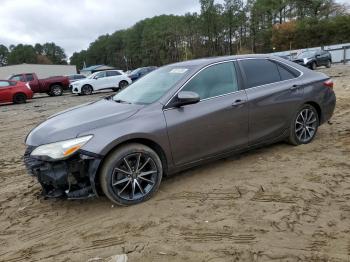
pixel 218 123
pixel 101 81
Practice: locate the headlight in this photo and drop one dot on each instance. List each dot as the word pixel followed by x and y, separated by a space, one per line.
pixel 61 150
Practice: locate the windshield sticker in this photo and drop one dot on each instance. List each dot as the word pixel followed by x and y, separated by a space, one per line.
pixel 178 70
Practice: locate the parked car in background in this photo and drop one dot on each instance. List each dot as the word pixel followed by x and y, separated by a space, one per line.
pixel 76 77
pixel 53 86
pixel 287 57
pixel 177 117
pixel 110 79
pixel 140 72
pixel 14 92
pixel 314 59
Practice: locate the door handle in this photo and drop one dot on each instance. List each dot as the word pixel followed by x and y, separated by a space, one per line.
pixel 238 102
pixel 295 87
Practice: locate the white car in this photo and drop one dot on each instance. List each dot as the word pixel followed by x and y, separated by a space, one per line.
pixel 110 79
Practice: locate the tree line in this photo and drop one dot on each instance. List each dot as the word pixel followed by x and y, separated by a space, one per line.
pixel 48 53
pixel 234 27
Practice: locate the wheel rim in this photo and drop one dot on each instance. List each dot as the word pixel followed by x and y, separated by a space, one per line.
pixel 56 90
pixel 305 125
pixel 123 84
pixel 87 90
pixel 134 176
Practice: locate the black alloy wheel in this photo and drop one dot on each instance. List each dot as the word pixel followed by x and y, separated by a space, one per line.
pixel 305 125
pixel 131 174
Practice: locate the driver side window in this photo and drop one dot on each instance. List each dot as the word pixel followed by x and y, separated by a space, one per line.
pixel 100 75
pixel 216 80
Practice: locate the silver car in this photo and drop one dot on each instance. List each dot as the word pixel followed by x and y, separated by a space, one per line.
pixel 176 117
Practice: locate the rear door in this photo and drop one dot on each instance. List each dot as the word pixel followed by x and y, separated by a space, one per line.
pixel 5 92
pixel 273 97
pixel 218 123
pixel 113 79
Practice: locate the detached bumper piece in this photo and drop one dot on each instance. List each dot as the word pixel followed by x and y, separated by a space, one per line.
pixel 72 178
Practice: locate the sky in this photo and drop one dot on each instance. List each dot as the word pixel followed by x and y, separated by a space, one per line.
pixel 74 24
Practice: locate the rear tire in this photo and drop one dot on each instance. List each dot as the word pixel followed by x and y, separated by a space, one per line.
pixel 329 64
pixel 86 90
pixel 131 174
pixel 123 84
pixel 313 66
pixel 304 125
pixel 56 90
pixel 19 98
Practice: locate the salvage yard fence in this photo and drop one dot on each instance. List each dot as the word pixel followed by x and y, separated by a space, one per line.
pixel 340 52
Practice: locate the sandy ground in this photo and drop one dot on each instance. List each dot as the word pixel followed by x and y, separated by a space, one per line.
pixel 279 203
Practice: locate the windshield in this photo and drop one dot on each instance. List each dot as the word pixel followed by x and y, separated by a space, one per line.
pixel 135 71
pixel 92 75
pixel 306 54
pixel 152 86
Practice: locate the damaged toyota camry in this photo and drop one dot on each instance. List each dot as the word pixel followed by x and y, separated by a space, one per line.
pixel 176 117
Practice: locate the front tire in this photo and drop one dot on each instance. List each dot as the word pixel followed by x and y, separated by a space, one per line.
pixel 131 174
pixel 19 98
pixel 123 84
pixel 304 125
pixel 86 90
pixel 313 66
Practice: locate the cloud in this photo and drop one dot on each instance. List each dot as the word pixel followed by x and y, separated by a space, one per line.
pixel 73 24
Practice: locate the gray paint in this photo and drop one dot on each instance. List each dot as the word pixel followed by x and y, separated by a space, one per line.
pixel 191 134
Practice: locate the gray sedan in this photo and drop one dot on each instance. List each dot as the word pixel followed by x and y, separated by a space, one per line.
pixel 176 117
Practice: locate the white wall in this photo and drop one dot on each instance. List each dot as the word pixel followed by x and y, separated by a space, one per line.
pixel 42 71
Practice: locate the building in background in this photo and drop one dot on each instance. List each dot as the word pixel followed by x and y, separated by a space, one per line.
pixel 41 70
pixel 92 69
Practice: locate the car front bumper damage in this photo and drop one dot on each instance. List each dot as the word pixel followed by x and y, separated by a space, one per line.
pixel 72 178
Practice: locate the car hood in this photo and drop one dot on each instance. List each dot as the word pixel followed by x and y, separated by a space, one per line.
pixel 72 122
pixel 82 81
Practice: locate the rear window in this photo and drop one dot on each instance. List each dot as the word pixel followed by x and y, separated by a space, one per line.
pixel 287 72
pixel 260 72
pixel 113 73
pixel 29 77
pixel 17 78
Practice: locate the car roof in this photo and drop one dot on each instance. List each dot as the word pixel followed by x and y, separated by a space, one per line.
pixel 210 60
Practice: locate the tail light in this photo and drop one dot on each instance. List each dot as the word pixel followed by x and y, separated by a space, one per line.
pixel 329 83
pixel 28 86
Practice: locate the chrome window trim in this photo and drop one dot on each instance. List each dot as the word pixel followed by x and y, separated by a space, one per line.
pixel 268 58
pixel 188 80
pixel 233 60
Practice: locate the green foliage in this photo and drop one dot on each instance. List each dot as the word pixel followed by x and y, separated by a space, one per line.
pixel 4 52
pixel 236 26
pixel 22 54
pixel 48 53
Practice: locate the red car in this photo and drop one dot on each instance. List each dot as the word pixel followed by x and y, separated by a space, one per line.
pixel 14 91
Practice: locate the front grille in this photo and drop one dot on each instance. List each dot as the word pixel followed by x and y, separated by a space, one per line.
pixel 31 163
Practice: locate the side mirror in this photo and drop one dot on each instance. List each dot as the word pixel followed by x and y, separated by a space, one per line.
pixel 186 98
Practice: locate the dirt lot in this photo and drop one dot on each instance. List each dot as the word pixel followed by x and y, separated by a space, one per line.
pixel 279 203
